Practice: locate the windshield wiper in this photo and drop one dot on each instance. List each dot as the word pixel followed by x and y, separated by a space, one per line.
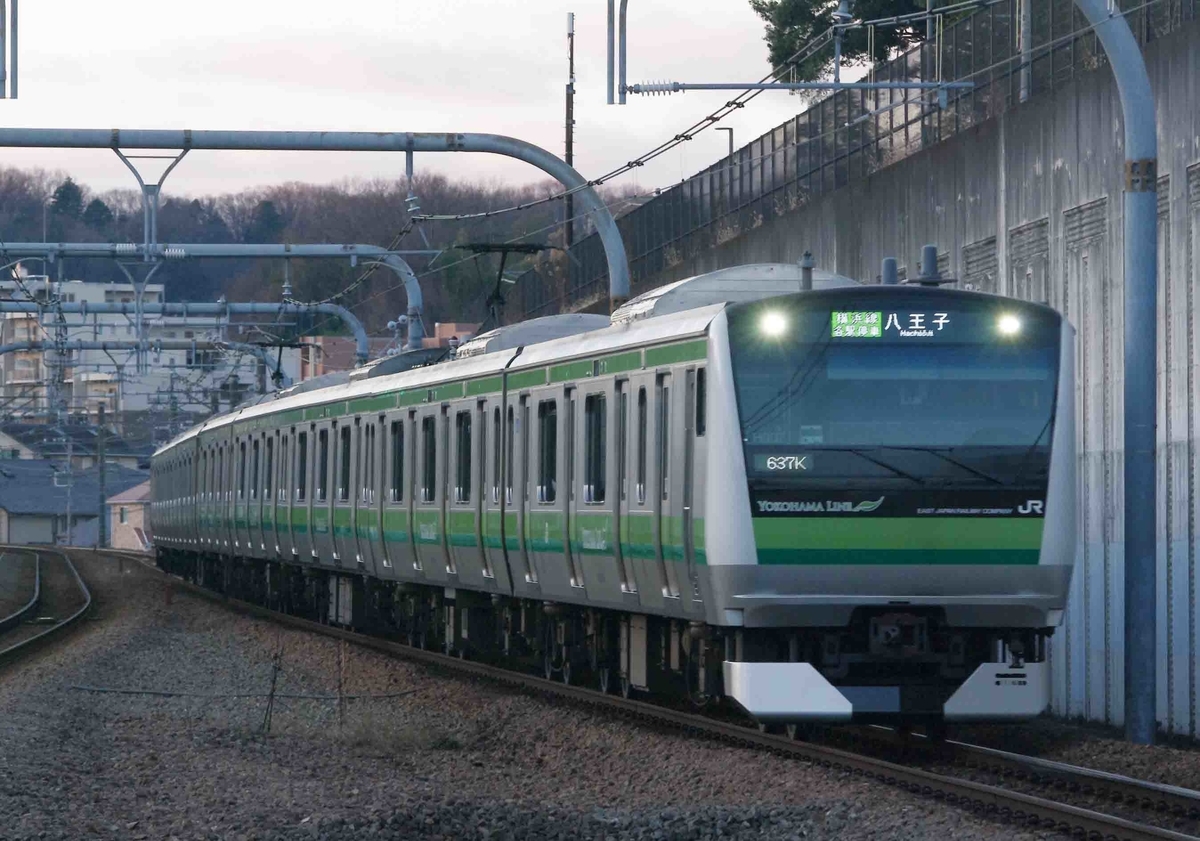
pixel 935 451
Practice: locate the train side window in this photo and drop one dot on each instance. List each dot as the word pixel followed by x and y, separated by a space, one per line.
pixel 221 472
pixel 254 471
pixel 595 431
pixel 547 488
pixel 269 469
pixel 641 447
pixel 428 459
pixel 397 444
pixel 366 463
pixel 496 444
pixel 343 488
pixel 301 473
pixel 462 457
pixel 622 434
pixel 701 402
pixel 511 466
pixel 282 484
pixel 322 477
pixel 203 483
pixel 664 442
pixel 241 485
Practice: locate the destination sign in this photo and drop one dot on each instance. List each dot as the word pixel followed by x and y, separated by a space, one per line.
pixel 882 324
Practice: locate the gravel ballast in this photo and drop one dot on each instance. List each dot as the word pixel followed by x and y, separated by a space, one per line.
pixel 452 758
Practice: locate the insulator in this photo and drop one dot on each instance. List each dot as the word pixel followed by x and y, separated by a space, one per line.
pixel 175 253
pixel 125 248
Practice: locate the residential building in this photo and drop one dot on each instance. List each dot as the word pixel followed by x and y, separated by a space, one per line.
pixel 128 525
pixel 166 382
pixel 43 503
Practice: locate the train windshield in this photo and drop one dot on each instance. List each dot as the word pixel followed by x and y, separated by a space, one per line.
pixel 881 387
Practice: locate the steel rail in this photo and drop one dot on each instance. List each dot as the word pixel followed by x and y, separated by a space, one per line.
pixel 1145 794
pixel 16 617
pixel 26 645
pixel 1184 802
pixel 991 800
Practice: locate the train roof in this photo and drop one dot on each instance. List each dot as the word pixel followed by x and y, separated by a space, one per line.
pixel 677 310
pixel 736 284
pixel 613 337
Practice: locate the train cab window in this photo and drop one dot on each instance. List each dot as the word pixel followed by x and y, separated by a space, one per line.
pixel 322 475
pixel 254 471
pixel 547 487
pixel 641 447
pixel 462 457
pixel 664 437
pixel 428 459
pixel 269 469
pixel 343 488
pixel 595 442
pixel 397 445
pixel 301 472
pixel 496 444
pixel 701 402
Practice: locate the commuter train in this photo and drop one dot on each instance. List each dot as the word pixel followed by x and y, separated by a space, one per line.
pixel 824 501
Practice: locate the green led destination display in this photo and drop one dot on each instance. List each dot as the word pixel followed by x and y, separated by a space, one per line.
pixel 874 325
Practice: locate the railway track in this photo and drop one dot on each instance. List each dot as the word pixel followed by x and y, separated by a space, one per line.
pixel 990 800
pixel 60 590
pixel 1160 798
pixel 18 616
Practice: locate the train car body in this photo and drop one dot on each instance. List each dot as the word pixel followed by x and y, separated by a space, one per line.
pixel 850 503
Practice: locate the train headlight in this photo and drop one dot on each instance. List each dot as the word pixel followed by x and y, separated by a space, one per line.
pixel 773 324
pixel 1008 325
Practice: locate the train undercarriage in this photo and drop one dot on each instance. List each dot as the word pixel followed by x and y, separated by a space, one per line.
pixel 886 666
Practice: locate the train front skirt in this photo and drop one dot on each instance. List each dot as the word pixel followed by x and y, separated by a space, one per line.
pixel 789 693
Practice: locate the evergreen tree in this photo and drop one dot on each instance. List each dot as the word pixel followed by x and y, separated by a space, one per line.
pixel 791 24
pixel 67 200
pixel 97 215
pixel 266 223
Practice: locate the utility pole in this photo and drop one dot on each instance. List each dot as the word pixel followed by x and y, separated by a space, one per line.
pixel 101 433
pixel 570 156
pixel 70 482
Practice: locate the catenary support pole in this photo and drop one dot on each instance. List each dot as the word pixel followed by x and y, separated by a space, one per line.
pixel 621 52
pixel 1141 375
pixel 101 432
pixel 612 23
pixel 351 141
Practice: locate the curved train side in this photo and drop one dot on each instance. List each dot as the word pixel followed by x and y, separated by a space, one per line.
pixel 850 503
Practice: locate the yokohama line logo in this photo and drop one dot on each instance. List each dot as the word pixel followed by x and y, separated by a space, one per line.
pixel 828 506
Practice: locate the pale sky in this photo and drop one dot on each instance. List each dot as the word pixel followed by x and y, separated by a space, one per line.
pixel 378 65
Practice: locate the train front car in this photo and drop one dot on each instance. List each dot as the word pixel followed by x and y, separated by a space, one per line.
pixel 892 512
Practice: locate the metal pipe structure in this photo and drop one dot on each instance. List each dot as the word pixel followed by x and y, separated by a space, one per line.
pixel 12 53
pixel 1141 374
pixel 350 141
pixel 611 37
pixel 362 345
pixel 681 87
pixel 3 49
pixel 184 251
pixel 621 53
pixel 152 346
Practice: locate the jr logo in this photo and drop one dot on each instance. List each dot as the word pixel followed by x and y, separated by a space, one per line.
pixel 1030 506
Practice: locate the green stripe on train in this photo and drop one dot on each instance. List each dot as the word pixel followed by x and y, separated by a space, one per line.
pixel 898 540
